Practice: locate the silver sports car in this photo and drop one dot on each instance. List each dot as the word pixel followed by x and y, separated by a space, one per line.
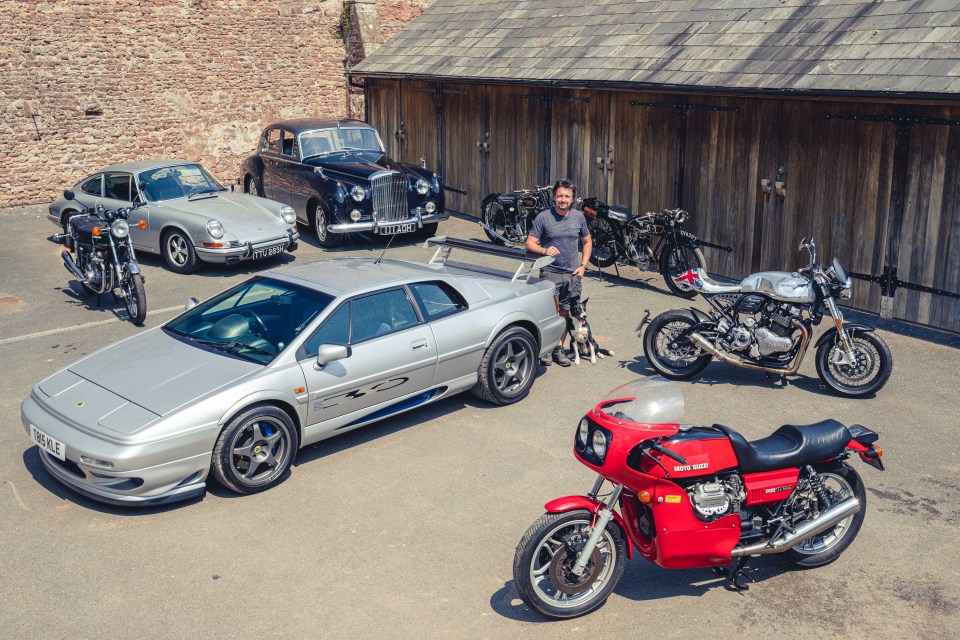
pixel 234 386
pixel 180 211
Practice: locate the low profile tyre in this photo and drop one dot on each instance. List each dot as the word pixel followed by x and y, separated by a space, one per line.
pixel 493 216
pixel 604 243
pixel 251 187
pixel 255 450
pixel 841 482
pixel 669 351
pixel 178 252
pixel 508 367
pixel 544 558
pixel 327 238
pixel 135 299
pixel 867 375
pixel 677 261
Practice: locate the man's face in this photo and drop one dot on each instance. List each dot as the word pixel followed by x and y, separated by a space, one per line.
pixel 562 199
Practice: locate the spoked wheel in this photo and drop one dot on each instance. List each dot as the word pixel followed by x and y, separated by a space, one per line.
pixel 869 371
pixel 508 367
pixel 604 243
pixel 675 262
pixel 255 449
pixel 134 298
pixel 328 239
pixel 840 482
pixel 543 565
pixel 494 217
pixel 178 252
pixel 668 349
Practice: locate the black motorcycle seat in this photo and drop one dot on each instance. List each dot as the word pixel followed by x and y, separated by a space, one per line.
pixel 789 446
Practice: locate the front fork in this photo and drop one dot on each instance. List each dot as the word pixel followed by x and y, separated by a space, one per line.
pixel 604 516
pixel 847 356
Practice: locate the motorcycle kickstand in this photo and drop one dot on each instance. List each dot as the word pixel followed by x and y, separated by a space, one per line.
pixel 737 579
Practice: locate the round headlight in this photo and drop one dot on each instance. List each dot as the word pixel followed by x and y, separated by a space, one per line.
pixel 430 207
pixel 214 228
pixel 357 193
pixel 288 214
pixel 120 229
pixel 599 444
pixel 355 215
pixel 422 187
pixel 582 432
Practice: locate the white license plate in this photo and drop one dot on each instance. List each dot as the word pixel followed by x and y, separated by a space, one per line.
pixel 48 444
pixel 267 251
pixel 391 229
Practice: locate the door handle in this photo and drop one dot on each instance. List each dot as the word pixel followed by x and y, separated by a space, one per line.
pixel 417 345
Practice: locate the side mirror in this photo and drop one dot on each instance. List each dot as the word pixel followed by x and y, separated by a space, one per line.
pixel 191 303
pixel 69 194
pixel 327 353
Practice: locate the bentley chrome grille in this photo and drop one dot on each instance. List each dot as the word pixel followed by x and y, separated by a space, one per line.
pixel 389 197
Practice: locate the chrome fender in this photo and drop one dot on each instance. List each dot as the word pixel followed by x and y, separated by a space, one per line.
pixel 831 333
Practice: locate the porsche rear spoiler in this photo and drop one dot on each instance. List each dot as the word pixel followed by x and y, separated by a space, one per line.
pixel 445 246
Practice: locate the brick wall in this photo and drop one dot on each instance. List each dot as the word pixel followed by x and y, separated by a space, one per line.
pixel 107 81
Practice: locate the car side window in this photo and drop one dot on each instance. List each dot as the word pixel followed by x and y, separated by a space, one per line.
pixel 271 141
pixel 117 186
pixel 289 145
pixel 334 330
pixel 93 186
pixel 437 299
pixel 381 313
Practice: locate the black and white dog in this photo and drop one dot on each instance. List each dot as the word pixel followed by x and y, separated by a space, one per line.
pixel 582 341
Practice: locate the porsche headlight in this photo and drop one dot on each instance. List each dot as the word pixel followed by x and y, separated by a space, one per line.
pixel 357 193
pixel 430 207
pixel 214 228
pixel 422 187
pixel 582 432
pixel 600 445
pixel 120 229
pixel 287 213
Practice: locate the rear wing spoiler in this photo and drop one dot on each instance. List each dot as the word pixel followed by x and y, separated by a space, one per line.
pixel 445 246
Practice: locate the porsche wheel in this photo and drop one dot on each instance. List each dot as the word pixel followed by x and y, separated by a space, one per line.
pixel 178 252
pixel 250 186
pixel 255 449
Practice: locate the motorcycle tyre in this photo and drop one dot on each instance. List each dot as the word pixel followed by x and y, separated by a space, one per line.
pixel 135 293
pixel 653 357
pixel 838 387
pixel 487 387
pixel 485 217
pixel 604 234
pixel 530 544
pixel 665 269
pixel 852 478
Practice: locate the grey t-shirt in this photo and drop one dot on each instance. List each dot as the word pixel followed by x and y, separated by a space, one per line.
pixel 564 233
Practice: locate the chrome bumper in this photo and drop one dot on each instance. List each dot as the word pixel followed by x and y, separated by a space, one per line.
pixel 417 218
pixel 245 250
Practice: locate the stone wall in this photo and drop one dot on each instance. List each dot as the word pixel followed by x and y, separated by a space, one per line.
pixel 87 83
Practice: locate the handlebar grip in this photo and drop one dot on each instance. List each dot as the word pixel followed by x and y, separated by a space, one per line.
pixel 670 454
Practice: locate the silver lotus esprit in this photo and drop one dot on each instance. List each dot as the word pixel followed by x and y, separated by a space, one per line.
pixel 235 385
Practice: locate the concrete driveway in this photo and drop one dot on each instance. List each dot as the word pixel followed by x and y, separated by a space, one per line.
pixel 408 528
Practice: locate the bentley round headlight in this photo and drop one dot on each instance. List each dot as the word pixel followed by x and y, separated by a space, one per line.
pixel 357 193
pixel 214 228
pixel 430 207
pixel 355 215
pixel 288 214
pixel 120 229
pixel 422 187
pixel 599 444
pixel 582 432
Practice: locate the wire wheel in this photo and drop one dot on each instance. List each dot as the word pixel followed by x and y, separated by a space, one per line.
pixel 495 219
pixel 604 243
pixel 869 371
pixel 675 262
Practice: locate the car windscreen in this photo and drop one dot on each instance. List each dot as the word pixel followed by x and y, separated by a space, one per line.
pixel 168 183
pixel 313 143
pixel 254 320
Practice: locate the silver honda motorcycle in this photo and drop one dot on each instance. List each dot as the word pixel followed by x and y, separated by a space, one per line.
pixel 765 323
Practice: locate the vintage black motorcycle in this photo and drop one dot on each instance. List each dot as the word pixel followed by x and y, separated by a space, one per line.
pixel 507 217
pixel 103 259
pixel 765 322
pixel 654 241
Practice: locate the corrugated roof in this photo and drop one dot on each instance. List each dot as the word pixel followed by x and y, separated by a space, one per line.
pixel 815 46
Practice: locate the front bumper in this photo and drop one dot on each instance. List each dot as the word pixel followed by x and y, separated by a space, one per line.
pixel 246 250
pixel 418 217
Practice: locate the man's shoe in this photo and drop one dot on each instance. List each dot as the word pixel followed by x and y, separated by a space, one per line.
pixel 560 357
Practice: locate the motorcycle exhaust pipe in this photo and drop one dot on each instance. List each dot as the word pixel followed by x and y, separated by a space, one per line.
pixel 72 266
pixel 804 532
pixel 705 345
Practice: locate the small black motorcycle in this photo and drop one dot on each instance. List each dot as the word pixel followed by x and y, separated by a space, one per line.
pixel 507 217
pixel 103 259
pixel 624 238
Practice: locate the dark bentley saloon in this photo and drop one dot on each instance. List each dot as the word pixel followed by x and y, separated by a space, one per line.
pixel 337 177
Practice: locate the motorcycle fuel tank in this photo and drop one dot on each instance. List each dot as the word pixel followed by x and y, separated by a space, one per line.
pixel 706 452
pixel 779 285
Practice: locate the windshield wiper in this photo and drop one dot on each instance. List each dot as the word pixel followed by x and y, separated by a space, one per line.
pixel 204 192
pixel 231 347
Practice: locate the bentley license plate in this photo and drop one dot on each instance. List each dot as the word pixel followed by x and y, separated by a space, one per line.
pixel 267 251
pixel 391 229
pixel 48 444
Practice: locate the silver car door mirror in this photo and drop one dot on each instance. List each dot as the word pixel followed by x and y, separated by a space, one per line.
pixel 191 303
pixel 327 353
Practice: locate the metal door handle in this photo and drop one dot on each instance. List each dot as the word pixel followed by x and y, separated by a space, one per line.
pixel 419 344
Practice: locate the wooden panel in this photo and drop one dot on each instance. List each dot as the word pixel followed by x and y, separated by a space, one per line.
pixel 519 140
pixel 383 112
pixel 579 125
pixel 420 123
pixel 462 115
pixel 930 232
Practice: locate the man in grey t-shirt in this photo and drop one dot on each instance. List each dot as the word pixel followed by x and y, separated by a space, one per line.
pixel 558 232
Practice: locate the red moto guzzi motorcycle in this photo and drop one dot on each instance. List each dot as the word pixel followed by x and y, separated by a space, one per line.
pixel 687 496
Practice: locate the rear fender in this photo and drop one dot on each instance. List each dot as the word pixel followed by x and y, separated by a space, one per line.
pixel 699 315
pixel 831 334
pixel 573 503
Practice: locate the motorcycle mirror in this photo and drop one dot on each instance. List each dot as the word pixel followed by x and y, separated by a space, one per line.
pixel 69 194
pixel 191 303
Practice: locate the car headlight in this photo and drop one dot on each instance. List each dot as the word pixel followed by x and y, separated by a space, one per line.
pixel 288 214
pixel 214 228
pixel 430 207
pixel 582 432
pixel 355 215
pixel 120 229
pixel 357 193
pixel 422 187
pixel 600 445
